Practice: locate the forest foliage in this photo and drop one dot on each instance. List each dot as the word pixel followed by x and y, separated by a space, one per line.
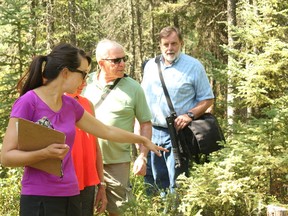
pixel 244 48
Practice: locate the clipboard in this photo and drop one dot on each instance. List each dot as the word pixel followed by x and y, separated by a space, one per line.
pixel 32 136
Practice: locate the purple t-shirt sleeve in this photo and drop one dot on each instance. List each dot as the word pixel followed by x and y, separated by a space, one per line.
pixel 78 110
pixel 23 107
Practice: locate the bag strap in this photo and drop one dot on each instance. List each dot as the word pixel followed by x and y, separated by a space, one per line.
pixel 103 96
pixel 169 102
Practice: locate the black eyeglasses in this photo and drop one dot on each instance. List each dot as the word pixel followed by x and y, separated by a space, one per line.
pixel 84 74
pixel 117 60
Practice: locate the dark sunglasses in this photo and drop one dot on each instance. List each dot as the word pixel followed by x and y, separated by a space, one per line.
pixel 117 60
pixel 84 74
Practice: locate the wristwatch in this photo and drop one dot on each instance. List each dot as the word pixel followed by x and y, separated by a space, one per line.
pixel 103 184
pixel 191 115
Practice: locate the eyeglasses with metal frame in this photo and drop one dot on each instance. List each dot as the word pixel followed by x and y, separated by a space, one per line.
pixel 117 60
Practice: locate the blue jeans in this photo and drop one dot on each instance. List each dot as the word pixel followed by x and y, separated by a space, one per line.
pixel 161 171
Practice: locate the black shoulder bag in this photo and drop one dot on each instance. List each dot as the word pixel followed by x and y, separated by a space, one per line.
pixel 103 96
pixel 202 136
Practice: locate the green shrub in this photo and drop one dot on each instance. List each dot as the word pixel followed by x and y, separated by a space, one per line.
pixel 10 184
pixel 245 176
pixel 240 179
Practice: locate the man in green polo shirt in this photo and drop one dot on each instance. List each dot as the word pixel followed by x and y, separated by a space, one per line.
pixel 119 107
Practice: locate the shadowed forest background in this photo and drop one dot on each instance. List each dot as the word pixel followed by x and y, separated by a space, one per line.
pixel 243 45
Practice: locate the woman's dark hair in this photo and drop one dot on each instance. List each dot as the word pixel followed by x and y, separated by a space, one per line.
pixel 48 67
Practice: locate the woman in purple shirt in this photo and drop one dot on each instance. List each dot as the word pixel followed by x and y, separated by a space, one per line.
pixel 42 95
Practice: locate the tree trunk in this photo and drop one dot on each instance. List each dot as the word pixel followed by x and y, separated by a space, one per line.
pixel 140 39
pixel 276 211
pixel 231 18
pixel 33 15
pixel 49 24
pixel 175 17
pixel 72 23
pixel 132 39
pixel 152 31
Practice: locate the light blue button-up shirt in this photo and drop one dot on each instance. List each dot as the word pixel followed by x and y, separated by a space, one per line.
pixel 187 84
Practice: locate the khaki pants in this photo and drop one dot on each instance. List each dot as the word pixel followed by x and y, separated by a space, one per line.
pixel 118 189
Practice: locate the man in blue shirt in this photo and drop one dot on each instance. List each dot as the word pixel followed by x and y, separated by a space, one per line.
pixel 190 92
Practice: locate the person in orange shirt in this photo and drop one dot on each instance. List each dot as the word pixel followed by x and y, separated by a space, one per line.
pixel 87 160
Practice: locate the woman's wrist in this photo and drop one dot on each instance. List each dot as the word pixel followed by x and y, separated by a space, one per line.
pixel 102 184
pixel 145 141
pixel 143 158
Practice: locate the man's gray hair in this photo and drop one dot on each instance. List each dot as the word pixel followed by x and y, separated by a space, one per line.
pixel 104 46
